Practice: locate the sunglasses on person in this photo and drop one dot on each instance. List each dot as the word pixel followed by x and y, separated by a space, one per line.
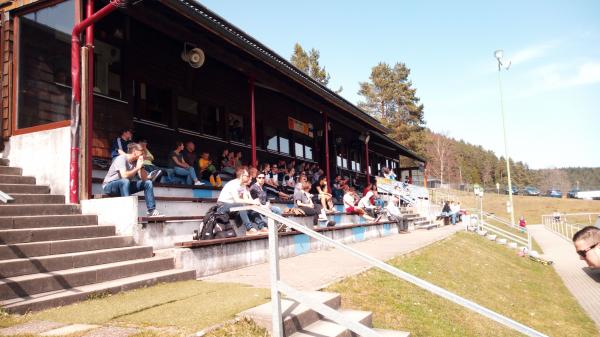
pixel 583 253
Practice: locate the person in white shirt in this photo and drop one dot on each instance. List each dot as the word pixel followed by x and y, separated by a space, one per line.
pixel 365 204
pixel 232 195
pixel 454 210
pixel 393 211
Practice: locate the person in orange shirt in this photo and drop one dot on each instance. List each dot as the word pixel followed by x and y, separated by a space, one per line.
pixel 208 171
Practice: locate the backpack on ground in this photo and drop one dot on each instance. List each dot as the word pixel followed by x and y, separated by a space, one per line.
pixel 214 222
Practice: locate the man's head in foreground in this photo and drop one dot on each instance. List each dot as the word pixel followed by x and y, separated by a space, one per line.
pixel 587 245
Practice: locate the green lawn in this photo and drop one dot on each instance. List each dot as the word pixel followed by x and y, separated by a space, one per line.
pixel 176 309
pixel 479 270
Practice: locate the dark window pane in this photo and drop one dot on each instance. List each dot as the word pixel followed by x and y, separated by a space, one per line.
pixel 211 121
pixel 107 70
pixel 44 93
pixel 154 104
pixel 187 114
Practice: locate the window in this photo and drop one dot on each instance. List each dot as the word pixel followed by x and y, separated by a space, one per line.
pixel 154 104
pixel 44 93
pixel 187 113
pixel 235 125
pixel 284 145
pixel 107 70
pixel 303 151
pixel 212 118
pixel 299 150
pixel 308 152
pixel 338 161
pixel 278 143
pixel 272 144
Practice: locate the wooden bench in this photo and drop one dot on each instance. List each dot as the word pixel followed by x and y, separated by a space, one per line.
pixel 261 236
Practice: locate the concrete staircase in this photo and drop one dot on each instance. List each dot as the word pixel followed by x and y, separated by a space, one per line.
pixel 414 220
pixel 301 321
pixel 52 255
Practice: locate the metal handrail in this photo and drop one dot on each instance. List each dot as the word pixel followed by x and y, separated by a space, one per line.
pixel 499 219
pixel 564 229
pixel 508 235
pixel 275 282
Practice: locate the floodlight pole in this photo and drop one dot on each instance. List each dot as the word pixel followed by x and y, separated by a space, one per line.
pixel 510 192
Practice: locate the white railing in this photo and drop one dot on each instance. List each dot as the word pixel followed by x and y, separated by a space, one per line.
pixel 499 219
pixel 277 286
pixel 507 235
pixel 566 225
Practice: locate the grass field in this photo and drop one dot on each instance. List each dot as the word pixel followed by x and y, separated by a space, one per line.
pixel 531 207
pixel 170 309
pixel 476 269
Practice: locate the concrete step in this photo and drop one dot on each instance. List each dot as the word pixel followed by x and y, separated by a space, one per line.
pixel 50 263
pixel 27 198
pixel 25 250
pixel 13 236
pixel 11 170
pixel 27 285
pixel 41 221
pixel 46 300
pixel 295 315
pixel 49 209
pixel 22 188
pixel 4 162
pixel 16 179
pixel 392 333
pixel 428 225
pixel 327 328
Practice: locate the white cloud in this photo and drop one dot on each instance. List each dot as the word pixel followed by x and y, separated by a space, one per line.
pixel 561 75
pixel 531 53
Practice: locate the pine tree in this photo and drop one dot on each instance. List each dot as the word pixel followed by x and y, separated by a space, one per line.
pixel 309 64
pixel 389 96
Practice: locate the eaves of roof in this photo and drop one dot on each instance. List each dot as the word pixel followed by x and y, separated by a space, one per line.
pixel 239 38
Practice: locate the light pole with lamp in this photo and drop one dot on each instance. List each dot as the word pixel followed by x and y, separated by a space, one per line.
pixel 498 54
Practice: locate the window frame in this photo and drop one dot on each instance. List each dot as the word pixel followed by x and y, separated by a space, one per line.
pixel 14 77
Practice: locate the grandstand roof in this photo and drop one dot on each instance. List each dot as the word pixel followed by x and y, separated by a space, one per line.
pixel 242 40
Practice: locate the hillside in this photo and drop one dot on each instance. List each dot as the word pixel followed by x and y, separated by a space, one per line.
pixel 465 163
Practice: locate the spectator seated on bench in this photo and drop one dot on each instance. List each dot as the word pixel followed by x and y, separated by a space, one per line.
pixel 180 167
pixel 394 214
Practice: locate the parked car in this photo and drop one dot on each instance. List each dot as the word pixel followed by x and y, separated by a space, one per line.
pixel 572 193
pixel 532 191
pixel 515 190
pixel 554 193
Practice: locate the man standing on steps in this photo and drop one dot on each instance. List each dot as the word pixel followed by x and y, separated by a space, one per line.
pixel 587 245
pixel 121 179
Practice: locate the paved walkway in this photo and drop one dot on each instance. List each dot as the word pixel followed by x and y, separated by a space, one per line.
pixel 314 271
pixel 581 281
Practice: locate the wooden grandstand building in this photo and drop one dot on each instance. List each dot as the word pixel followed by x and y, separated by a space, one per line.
pixel 244 97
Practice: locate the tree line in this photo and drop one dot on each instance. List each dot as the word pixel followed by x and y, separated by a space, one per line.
pixel 389 96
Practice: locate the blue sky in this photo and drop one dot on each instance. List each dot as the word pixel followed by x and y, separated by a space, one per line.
pixel 551 91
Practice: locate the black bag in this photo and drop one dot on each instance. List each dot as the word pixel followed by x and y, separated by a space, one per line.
pixel 211 221
pixel 223 231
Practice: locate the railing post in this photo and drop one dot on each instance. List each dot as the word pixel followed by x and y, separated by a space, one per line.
pixel 274 267
pixel 528 240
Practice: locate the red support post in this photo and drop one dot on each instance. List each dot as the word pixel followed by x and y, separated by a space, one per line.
pixel 76 93
pixel 89 42
pixel 252 121
pixel 326 135
pixel 368 168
